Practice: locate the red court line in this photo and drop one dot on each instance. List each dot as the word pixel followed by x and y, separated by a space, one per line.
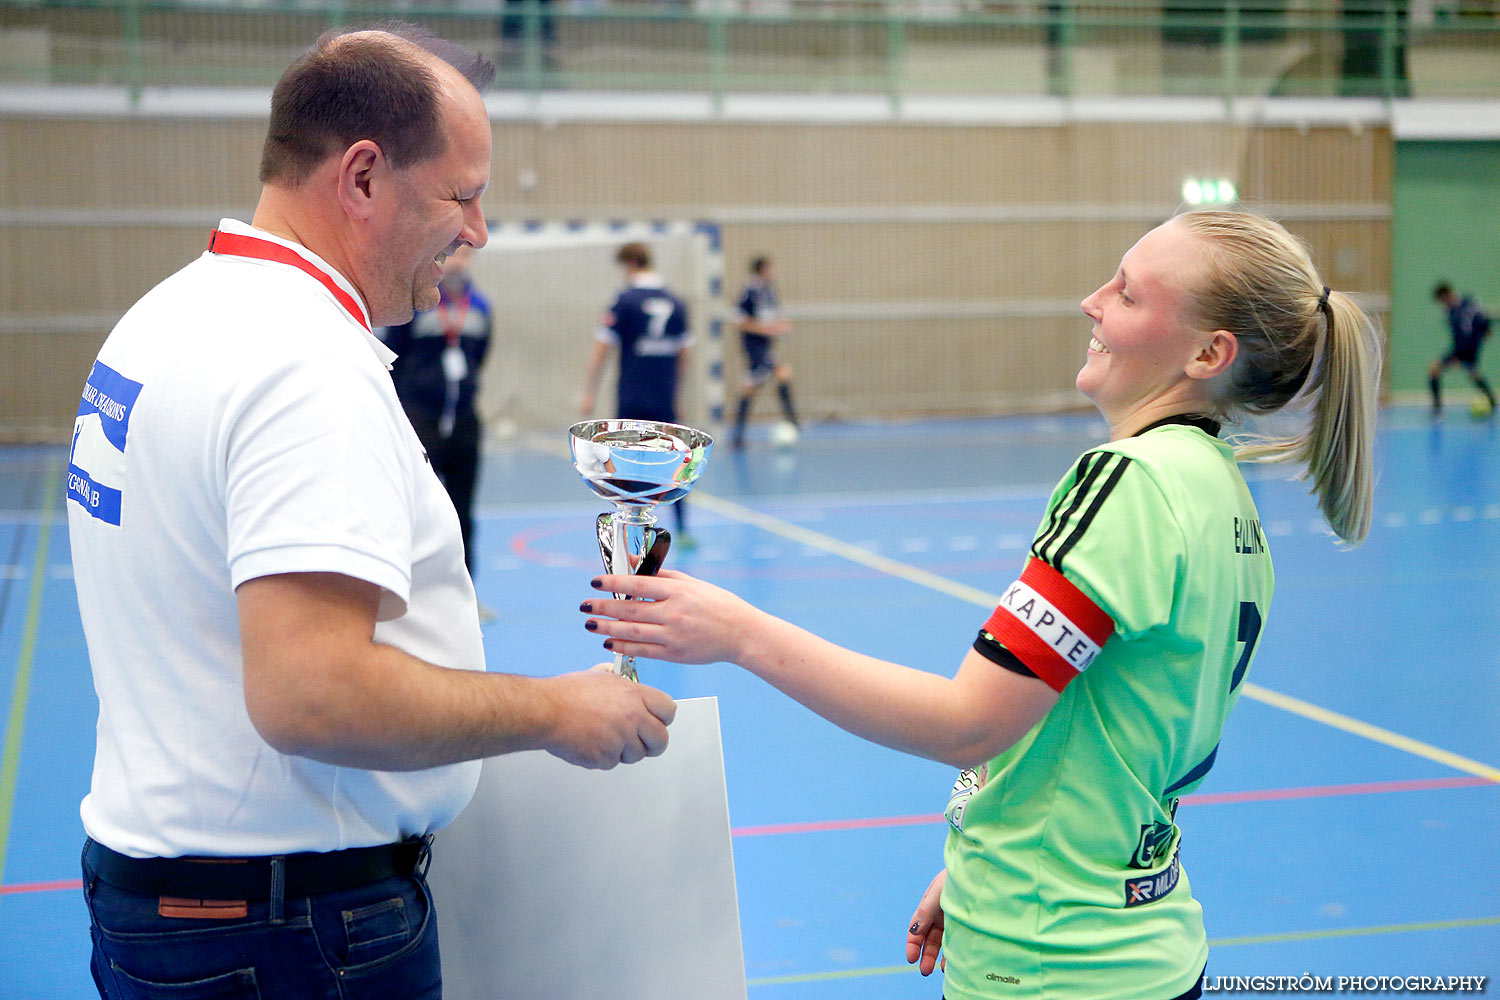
pixel 67 883
pixel 822 826
pixel 835 824
pixel 1220 798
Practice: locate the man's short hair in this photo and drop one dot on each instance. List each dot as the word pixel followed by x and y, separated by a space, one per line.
pixel 1442 290
pixel 345 89
pixel 636 255
pixel 758 264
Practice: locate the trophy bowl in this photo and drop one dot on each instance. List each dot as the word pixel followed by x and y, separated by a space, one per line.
pixel 636 465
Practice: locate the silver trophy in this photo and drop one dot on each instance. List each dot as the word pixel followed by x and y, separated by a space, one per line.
pixel 635 465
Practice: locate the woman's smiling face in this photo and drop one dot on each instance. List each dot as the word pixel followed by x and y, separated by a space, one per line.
pixel 1142 340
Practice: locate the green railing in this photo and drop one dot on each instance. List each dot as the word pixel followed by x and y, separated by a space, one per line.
pixel 901 49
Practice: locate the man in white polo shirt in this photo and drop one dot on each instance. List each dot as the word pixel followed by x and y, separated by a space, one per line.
pixel 284 638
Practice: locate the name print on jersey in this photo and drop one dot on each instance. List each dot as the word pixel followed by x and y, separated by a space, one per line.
pixel 96 461
pixel 1249 540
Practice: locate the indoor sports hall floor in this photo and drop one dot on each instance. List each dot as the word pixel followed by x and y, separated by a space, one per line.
pixel 1348 828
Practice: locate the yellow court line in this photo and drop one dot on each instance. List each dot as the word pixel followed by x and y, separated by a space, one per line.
pixel 1436 925
pixel 986 600
pixel 10 757
pixel 1342 932
pixel 821 977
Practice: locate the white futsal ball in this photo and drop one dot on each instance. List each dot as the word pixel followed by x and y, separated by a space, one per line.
pixel 784 434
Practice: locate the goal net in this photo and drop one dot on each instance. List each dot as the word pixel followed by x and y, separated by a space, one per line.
pixel 550 283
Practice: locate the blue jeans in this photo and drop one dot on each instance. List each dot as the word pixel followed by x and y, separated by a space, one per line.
pixel 375 942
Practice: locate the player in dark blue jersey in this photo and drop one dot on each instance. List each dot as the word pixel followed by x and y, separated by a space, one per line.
pixel 649 326
pixel 760 325
pixel 436 373
pixel 1470 325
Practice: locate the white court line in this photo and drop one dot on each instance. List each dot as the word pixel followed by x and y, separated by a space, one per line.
pixel 988 601
pixel 864 557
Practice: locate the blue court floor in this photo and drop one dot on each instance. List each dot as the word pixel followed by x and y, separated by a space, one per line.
pixel 1349 827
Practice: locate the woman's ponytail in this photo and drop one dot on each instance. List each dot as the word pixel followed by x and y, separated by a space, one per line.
pixel 1297 341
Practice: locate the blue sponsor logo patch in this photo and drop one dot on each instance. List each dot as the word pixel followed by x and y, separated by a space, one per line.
pixel 96 462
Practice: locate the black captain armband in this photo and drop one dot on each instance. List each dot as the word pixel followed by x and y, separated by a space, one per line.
pixel 990 648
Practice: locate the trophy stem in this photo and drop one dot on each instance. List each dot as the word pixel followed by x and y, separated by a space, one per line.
pixel 627 517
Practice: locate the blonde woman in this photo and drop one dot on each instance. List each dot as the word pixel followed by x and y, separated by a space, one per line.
pixel 1094 696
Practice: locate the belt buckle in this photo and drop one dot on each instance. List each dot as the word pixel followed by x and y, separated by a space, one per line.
pixel 424 856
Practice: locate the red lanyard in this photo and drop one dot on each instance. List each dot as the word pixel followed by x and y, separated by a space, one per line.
pixel 235 245
pixel 453 324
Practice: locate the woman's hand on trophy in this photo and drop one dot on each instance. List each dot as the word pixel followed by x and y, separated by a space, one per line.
pixel 672 617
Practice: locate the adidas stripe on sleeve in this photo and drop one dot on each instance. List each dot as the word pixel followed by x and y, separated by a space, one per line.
pixel 1096 567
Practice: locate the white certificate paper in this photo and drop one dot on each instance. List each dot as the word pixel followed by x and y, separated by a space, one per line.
pixel 559 883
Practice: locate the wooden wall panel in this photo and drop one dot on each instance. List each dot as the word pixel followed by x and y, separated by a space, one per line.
pixel 80 164
pixel 1286 166
pixel 1353 256
pixel 52 272
pixel 907 367
pixel 961 262
pixel 40 381
pixel 612 165
pixel 77 164
pixel 936 268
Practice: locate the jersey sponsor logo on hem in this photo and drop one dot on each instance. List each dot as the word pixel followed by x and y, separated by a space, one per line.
pixel 1150 888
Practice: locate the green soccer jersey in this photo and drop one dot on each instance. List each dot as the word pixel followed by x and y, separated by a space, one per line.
pixel 1146 589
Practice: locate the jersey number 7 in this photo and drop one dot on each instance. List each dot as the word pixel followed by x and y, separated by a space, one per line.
pixel 659 310
pixel 1250 622
pixel 1249 631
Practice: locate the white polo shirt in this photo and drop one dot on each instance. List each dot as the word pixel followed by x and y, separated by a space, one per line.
pixel 240 422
